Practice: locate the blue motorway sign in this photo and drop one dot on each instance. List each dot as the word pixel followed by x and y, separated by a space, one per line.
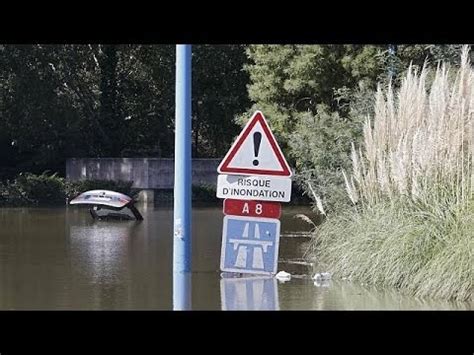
pixel 256 293
pixel 250 245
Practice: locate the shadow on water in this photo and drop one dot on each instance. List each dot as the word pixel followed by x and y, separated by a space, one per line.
pixel 251 293
pixel 59 258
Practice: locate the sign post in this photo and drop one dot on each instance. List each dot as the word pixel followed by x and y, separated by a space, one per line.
pixel 182 181
pixel 254 178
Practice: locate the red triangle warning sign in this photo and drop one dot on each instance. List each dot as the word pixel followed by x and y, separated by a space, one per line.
pixel 255 152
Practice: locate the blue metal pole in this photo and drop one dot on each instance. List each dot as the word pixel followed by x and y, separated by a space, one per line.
pixel 182 180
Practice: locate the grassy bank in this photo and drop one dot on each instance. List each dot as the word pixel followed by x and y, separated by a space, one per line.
pixel 423 249
pixel 412 188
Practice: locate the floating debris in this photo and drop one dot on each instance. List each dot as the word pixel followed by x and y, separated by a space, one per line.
pixel 322 276
pixel 321 283
pixel 283 276
pixel 321 279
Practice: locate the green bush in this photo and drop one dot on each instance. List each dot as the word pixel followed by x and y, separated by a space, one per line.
pixel 410 225
pixel 9 196
pixel 320 146
pixel 204 193
pixel 423 249
pixel 28 189
pixel 31 189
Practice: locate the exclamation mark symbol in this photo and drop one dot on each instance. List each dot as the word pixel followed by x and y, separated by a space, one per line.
pixel 257 139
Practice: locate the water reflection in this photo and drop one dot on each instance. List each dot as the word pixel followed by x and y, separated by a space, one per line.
pixel 99 251
pixel 250 293
pixel 321 283
pixel 62 259
pixel 182 291
pixel 304 294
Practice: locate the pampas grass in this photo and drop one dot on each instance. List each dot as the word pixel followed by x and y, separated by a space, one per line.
pixel 418 138
pixel 412 186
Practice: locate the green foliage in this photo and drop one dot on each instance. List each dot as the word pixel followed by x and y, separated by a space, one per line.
pixel 39 190
pixel 323 140
pixel 410 227
pixel 297 78
pixel 220 93
pixel 423 249
pixel 204 193
pixel 28 189
pixel 316 97
pixel 60 101
pixel 420 53
pixel 308 94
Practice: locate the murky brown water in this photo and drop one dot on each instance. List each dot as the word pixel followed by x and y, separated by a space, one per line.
pixel 61 259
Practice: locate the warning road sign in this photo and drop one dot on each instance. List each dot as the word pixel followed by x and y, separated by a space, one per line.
pixel 255 152
pixel 253 171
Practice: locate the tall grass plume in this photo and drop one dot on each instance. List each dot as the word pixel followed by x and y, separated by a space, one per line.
pixel 412 186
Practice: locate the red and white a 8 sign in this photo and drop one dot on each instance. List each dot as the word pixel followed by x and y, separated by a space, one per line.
pixel 252 208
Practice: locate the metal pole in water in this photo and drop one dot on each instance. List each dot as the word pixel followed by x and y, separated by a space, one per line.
pixel 182 181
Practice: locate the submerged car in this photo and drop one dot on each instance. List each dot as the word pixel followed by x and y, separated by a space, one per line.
pixel 107 204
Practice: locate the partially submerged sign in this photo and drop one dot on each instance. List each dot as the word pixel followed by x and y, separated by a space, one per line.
pixel 250 245
pixel 254 177
pixel 255 152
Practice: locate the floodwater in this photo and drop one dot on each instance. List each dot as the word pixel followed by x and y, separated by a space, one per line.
pixel 60 258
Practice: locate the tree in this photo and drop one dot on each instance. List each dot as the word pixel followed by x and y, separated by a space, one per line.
pixel 317 96
pixel 219 94
pixel 37 119
pixel 60 101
